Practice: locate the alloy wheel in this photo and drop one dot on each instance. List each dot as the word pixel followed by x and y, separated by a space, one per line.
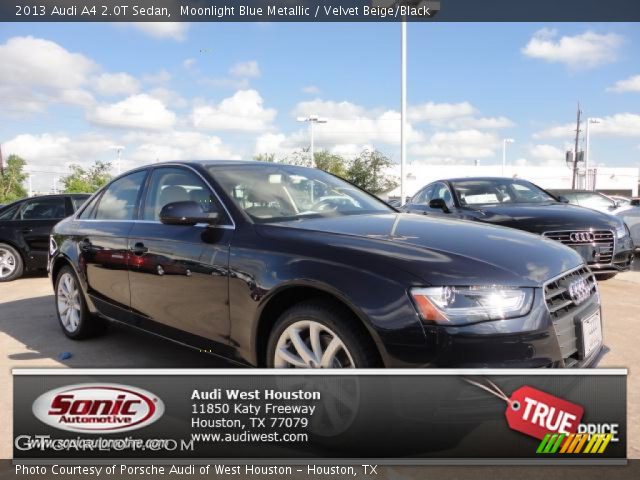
pixel 7 263
pixel 69 307
pixel 309 344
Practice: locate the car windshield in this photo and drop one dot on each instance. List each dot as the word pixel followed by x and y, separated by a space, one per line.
pixel 498 191
pixel 283 192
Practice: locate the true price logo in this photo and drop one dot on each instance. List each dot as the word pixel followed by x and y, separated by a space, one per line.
pixel 98 408
pixel 536 413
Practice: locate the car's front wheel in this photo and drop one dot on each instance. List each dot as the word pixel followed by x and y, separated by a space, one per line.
pixel 11 265
pixel 318 334
pixel 74 316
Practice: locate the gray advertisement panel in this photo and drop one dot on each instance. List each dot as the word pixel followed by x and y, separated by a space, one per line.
pixel 412 416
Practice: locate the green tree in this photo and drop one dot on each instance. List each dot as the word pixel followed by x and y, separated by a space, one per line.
pixel 12 178
pixel 331 163
pixel 88 180
pixel 265 157
pixel 369 171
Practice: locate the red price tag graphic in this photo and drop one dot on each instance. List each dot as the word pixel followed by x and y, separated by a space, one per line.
pixel 537 413
pixel 534 412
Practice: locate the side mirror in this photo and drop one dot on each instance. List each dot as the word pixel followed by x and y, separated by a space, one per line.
pixel 440 204
pixel 563 199
pixel 635 202
pixel 186 213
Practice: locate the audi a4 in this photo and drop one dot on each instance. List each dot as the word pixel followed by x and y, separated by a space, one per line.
pixel 284 266
pixel 602 240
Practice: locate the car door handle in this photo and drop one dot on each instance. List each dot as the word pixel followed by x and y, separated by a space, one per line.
pixel 139 249
pixel 26 230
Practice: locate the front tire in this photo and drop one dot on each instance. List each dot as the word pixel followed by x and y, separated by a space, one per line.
pixel 11 264
pixel 73 315
pixel 319 334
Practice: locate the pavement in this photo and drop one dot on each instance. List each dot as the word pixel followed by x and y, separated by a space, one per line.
pixel 30 337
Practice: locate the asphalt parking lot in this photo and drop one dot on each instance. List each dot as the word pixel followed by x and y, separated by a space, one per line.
pixel 30 337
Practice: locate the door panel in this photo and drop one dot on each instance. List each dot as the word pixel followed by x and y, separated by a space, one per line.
pixel 179 277
pixel 179 273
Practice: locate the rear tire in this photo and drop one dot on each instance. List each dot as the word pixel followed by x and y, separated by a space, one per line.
pixel 319 334
pixel 71 308
pixel 11 264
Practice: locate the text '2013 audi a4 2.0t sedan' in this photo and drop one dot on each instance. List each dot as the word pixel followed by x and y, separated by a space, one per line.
pixel 284 266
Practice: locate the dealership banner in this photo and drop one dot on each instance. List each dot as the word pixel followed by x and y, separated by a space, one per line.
pixel 407 416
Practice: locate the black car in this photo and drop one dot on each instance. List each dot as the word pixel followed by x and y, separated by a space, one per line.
pixel 602 240
pixel 25 226
pixel 259 262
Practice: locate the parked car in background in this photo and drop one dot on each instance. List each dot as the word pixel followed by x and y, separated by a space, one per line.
pixel 25 226
pixel 629 213
pixel 258 262
pixel 602 240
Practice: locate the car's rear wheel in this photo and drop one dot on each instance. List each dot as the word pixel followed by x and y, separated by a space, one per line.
pixel 11 265
pixel 74 316
pixel 318 334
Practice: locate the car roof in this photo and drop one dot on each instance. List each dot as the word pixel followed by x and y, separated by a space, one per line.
pixel 462 179
pixel 213 163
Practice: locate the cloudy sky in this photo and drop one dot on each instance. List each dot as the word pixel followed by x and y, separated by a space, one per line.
pixel 69 92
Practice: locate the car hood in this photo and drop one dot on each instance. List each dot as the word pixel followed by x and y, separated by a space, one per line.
pixel 441 251
pixel 545 217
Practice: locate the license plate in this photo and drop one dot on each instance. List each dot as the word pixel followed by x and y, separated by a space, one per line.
pixel 591 334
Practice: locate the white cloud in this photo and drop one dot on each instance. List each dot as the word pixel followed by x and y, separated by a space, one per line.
pixel 587 50
pixel 168 97
pixel 244 111
pixel 189 63
pixel 548 154
pixel 430 111
pixel 482 123
pixel 456 145
pixel 631 84
pixel 618 125
pixel 110 84
pixel 37 72
pixel 311 90
pixel 273 143
pixel 248 69
pixel 156 78
pixel 137 111
pixel 178 145
pixel 172 30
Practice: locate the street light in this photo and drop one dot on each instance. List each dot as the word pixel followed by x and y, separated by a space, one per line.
pixel 118 149
pixel 312 120
pixel 586 155
pixel 504 152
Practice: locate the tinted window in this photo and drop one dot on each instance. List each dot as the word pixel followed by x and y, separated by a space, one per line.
pixel 170 185
pixel 119 200
pixel 442 191
pixel 90 209
pixel 43 209
pixel 593 200
pixel 423 197
pixel 9 212
pixel 284 192
pixel 496 191
pixel 78 202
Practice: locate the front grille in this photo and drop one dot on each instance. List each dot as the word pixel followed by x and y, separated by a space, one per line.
pixel 562 307
pixel 604 239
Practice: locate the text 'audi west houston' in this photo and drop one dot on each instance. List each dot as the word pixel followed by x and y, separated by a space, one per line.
pixel 282 266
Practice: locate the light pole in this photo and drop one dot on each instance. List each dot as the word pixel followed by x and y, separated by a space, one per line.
pixel 118 149
pixel 403 109
pixel 588 150
pixel 312 120
pixel 504 152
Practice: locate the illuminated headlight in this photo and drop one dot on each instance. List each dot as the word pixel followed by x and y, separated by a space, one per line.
pixel 621 231
pixel 460 305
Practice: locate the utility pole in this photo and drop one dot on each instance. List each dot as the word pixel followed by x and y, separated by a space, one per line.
pixel 575 151
pixel 1 163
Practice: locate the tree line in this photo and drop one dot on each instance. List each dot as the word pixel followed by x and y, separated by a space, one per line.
pixel 369 171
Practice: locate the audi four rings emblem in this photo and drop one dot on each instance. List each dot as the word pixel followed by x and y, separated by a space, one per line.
pixel 579 290
pixel 582 237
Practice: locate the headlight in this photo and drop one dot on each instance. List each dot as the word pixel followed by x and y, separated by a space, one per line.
pixel 460 305
pixel 621 231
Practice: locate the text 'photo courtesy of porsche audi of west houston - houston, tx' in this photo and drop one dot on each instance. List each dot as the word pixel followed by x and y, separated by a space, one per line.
pixel 284 266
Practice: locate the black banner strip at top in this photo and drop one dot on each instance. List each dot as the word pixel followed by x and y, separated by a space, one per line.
pixel 320 10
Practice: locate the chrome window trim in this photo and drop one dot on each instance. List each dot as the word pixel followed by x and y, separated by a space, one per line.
pixel 153 167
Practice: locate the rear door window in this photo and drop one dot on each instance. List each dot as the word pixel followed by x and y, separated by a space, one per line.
pixel 120 199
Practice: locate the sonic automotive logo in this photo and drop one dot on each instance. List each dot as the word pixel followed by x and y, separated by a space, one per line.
pixel 98 408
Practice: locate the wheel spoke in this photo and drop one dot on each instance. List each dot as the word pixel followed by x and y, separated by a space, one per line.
pixel 301 347
pixel 290 358
pixel 330 353
pixel 314 339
